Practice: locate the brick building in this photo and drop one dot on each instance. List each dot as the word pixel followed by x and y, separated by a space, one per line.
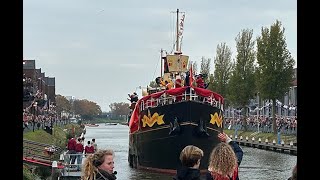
pixel 35 82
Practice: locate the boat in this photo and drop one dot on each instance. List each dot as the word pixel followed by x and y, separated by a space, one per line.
pixel 107 124
pixel 164 121
pixel 92 125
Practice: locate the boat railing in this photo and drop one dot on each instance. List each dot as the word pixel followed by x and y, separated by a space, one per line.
pixel 191 95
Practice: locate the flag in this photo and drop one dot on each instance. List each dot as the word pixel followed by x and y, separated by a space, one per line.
pixel 181 25
pixel 190 75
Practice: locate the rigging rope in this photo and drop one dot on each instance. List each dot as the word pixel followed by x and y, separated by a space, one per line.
pixel 155 70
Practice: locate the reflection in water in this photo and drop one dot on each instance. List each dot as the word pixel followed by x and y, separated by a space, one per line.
pixel 256 163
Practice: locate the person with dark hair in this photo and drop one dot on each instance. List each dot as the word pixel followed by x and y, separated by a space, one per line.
pixel 99 166
pixel 71 146
pixel 294 175
pixel 133 97
pixel 79 150
pixel 190 157
pixel 187 79
pixel 94 144
pixel 168 84
pixel 200 81
pixel 88 149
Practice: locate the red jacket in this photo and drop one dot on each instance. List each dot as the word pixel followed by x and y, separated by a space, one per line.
pixel 89 149
pixel 200 82
pixel 178 83
pixel 79 147
pixel 72 144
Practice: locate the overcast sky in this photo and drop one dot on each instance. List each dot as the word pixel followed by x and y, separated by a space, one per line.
pixel 102 50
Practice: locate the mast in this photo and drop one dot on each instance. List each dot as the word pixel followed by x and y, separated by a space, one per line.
pixel 177 42
pixel 161 59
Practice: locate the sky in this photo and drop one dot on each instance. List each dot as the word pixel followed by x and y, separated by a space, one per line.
pixel 102 50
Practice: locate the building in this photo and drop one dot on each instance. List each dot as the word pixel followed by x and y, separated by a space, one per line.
pixel 36 84
pixel 286 106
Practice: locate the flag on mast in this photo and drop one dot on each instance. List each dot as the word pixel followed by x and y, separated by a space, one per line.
pixel 190 75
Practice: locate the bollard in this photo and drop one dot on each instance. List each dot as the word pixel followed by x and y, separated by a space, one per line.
pixel 61 157
pixel 266 141
pixel 54 174
pixel 247 138
pixel 282 143
pixel 291 143
pixel 252 144
pixel 274 145
pixel 236 137
pixel 259 144
pixel 241 138
pixel 231 136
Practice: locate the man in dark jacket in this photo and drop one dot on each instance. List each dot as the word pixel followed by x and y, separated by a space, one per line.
pixel 190 158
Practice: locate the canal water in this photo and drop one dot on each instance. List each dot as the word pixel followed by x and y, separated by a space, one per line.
pixel 256 163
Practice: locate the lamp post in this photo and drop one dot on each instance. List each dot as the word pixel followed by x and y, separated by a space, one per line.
pixel 35 104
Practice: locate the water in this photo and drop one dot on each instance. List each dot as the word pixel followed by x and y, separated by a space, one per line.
pixel 256 163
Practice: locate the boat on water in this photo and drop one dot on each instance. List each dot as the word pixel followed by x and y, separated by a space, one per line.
pixel 166 120
pixel 92 125
pixel 108 124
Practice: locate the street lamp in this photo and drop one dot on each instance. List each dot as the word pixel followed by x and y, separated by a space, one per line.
pixel 35 104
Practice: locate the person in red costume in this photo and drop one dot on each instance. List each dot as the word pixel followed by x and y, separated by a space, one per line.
pixel 178 84
pixel 71 146
pixel 88 149
pixel 200 81
pixel 79 150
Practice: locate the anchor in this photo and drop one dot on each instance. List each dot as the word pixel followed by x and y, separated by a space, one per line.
pixel 175 127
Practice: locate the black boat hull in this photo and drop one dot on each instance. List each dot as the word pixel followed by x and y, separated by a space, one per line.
pixel 157 144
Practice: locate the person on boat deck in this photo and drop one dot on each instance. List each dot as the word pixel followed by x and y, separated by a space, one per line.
pixel 133 97
pixel 200 81
pixel 190 158
pixel 224 160
pixel 99 166
pixel 168 85
pixel 178 82
pixel 160 82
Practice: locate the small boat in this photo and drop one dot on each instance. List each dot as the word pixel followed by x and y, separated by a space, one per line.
pixel 107 124
pixel 92 125
pixel 164 121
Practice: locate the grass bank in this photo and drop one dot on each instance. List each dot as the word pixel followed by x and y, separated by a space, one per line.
pixel 263 136
pixel 58 138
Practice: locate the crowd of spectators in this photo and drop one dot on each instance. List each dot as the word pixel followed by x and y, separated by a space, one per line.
pixel 285 124
pixel 38 111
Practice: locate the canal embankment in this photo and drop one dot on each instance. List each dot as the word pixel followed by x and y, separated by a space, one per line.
pixel 58 138
pixel 281 143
